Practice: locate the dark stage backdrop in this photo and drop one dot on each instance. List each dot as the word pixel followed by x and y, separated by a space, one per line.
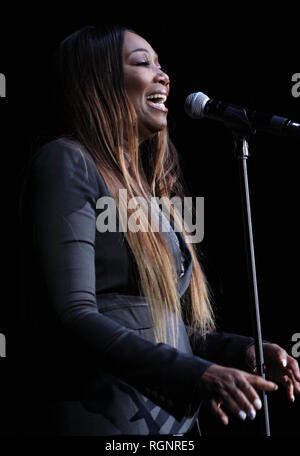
pixel 251 66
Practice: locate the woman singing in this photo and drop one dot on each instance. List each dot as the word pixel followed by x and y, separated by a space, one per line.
pixel 124 333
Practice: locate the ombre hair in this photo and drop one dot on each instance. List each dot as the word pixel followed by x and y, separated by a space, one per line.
pixel 94 109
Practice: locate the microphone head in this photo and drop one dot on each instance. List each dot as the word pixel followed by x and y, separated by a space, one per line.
pixel 195 104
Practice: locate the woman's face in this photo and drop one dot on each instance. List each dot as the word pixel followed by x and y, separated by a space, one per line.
pixel 146 85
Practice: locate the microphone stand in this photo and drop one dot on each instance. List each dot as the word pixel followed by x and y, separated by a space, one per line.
pixel 241 148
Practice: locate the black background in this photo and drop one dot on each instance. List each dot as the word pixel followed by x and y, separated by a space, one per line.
pixel 251 65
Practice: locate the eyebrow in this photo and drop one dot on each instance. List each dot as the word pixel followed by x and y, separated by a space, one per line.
pixel 141 49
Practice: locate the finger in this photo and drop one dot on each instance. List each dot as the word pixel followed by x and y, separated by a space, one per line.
pixel 220 414
pixel 290 392
pixel 293 379
pixel 250 393
pixel 297 388
pixel 232 405
pixel 238 393
pixel 294 366
pixel 276 353
pixel 282 357
pixel 289 388
pixel 283 361
pixel 260 383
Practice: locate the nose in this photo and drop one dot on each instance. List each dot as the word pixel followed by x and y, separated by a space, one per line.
pixel 162 77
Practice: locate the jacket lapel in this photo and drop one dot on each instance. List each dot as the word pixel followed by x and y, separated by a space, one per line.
pixel 184 281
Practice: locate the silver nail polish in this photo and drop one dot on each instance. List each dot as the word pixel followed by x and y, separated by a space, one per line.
pixel 242 415
pixel 257 403
pixel 252 414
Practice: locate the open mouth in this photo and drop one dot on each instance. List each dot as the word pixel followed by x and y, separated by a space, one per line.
pixel 157 101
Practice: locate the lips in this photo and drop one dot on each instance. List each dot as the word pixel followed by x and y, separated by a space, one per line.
pixel 156 100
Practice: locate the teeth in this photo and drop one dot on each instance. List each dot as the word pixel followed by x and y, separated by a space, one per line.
pixel 157 95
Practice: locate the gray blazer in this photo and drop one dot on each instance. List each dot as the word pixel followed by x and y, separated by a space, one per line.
pixel 96 367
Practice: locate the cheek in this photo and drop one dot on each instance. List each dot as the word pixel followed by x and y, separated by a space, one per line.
pixel 135 87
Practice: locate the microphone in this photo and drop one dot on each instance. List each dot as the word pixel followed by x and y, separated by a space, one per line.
pixel 199 106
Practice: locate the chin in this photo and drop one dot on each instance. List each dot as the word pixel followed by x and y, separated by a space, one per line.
pixel 152 129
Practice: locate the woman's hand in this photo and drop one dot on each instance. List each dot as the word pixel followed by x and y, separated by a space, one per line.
pixel 235 389
pixel 279 367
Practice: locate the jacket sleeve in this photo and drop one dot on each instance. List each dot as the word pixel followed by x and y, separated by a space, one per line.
pixel 65 191
pixel 223 348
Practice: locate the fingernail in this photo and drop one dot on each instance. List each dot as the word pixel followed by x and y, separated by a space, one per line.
pixel 258 404
pixel 293 398
pixel 284 362
pixel 252 414
pixel 242 415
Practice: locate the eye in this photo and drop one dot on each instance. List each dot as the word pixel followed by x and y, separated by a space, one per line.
pixel 143 63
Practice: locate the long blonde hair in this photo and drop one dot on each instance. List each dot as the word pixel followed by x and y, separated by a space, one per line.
pixel 93 107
